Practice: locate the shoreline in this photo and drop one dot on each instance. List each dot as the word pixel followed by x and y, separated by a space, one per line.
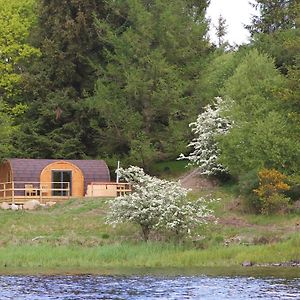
pixel 229 271
pixel 151 258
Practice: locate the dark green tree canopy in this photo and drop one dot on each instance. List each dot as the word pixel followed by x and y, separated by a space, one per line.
pixel 56 83
pixel 67 38
pixel 275 30
pixel 274 15
pixel 147 90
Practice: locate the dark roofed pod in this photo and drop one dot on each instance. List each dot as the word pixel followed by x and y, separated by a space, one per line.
pixel 30 170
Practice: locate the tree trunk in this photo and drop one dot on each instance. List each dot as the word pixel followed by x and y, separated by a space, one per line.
pixel 146 231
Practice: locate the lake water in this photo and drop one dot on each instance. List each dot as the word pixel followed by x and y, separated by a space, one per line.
pixel 147 287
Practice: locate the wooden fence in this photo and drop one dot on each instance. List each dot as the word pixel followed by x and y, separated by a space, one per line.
pixel 19 192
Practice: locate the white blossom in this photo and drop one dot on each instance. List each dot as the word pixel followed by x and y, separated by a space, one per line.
pixel 209 125
pixel 157 204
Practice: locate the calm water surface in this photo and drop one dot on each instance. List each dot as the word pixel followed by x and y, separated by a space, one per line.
pixel 146 287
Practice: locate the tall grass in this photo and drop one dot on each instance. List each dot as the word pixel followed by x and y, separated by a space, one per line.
pixel 143 255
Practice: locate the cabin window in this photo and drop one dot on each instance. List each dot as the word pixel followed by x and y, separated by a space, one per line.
pixel 61 180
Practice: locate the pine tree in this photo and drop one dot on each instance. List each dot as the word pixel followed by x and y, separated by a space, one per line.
pixel 221 31
pixel 275 30
pixel 149 87
pixel 56 124
pixel 274 15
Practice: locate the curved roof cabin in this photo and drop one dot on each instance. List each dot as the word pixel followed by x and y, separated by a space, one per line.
pixel 50 178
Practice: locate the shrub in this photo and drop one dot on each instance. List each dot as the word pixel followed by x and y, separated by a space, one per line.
pixel 209 125
pixel 274 203
pixel 247 183
pixel 271 186
pixel 157 204
pixel 294 191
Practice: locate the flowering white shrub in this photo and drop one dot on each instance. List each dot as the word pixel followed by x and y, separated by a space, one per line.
pixel 157 204
pixel 208 126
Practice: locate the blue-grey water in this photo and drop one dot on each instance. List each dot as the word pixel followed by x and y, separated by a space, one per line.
pixel 147 287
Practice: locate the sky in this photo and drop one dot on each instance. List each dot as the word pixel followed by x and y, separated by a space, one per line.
pixel 237 13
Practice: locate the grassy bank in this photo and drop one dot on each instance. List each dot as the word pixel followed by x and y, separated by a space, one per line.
pixel 150 255
pixel 74 236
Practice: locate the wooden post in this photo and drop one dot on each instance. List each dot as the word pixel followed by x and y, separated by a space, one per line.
pixel 4 190
pixel 68 190
pixel 41 193
pixel 13 192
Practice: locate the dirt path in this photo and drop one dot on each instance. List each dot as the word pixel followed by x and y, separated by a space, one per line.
pixel 192 180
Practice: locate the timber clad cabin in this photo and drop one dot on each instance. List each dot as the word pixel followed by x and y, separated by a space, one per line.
pixel 53 179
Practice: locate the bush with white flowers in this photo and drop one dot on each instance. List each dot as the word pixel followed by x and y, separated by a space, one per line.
pixel 157 205
pixel 209 125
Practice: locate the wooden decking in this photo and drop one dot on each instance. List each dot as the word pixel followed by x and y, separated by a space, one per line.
pixel 20 192
pixel 108 189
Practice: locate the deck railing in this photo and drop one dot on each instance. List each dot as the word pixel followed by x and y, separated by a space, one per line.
pixel 108 189
pixel 20 191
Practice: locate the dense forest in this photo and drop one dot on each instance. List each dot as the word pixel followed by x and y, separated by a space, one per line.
pixel 124 79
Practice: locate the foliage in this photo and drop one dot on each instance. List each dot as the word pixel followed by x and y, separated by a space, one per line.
pixel 56 123
pixel 292 92
pixel 271 182
pixel 16 20
pixel 221 31
pixel 294 192
pixel 271 185
pixel 259 116
pixel 157 204
pixel 246 184
pixel 275 30
pixel 148 88
pixel 221 65
pixel 274 16
pixel 142 152
pixel 209 125
pixel 6 130
pixel 274 204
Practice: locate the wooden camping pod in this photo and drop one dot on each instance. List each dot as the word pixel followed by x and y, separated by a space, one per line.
pixel 77 178
pixel 26 175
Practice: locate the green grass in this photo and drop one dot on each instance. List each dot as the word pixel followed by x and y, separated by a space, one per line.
pixel 74 236
pixel 143 255
pixel 170 169
pixel 76 222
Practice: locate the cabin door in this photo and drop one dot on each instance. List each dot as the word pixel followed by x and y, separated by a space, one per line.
pixel 61 180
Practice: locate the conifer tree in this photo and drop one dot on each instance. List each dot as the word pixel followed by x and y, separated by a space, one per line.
pixel 55 85
pixel 221 31
pixel 274 15
pixel 276 30
pixel 150 86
